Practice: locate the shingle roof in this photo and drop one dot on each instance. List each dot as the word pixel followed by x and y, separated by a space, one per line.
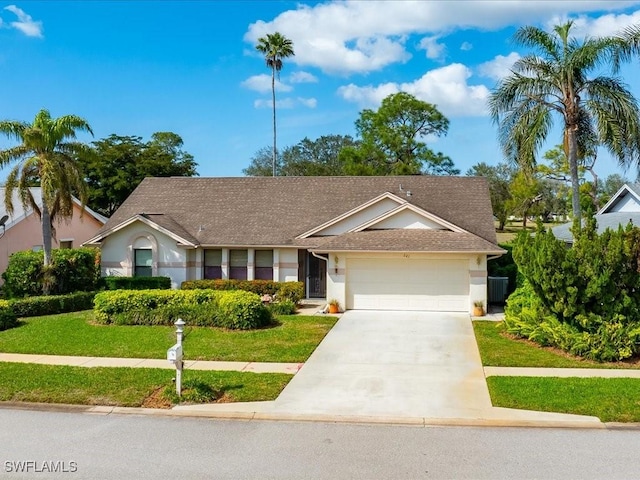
pixel 604 221
pixel 266 211
pixel 421 240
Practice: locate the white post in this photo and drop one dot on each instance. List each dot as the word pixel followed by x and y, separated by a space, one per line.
pixel 179 329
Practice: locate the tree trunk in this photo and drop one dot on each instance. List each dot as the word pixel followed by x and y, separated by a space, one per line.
pixel 572 157
pixel 273 99
pixel 46 247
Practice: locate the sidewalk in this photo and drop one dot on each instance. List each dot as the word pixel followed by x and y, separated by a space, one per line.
pixel 255 367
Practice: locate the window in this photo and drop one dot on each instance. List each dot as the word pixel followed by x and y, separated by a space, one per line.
pixel 143 263
pixel 66 243
pixel 264 265
pixel 213 264
pixel 36 248
pixel 238 264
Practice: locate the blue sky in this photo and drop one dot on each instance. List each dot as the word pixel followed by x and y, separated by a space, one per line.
pixel 190 67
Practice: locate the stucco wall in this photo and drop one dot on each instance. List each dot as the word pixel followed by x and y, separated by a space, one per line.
pixel 168 259
pixel 27 234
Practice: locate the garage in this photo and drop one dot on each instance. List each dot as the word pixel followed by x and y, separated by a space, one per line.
pixel 408 284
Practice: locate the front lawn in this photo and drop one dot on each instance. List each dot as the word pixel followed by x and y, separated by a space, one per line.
pixel 499 350
pixel 127 387
pixel 292 340
pixel 609 399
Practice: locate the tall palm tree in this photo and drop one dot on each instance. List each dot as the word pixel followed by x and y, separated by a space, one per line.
pixel 275 47
pixel 594 111
pixel 46 156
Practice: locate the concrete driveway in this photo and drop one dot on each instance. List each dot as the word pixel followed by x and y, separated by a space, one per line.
pixel 397 364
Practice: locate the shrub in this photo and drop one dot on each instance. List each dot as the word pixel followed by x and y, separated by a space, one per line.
pixel 236 309
pixel 260 287
pixel 282 307
pixel 8 317
pixel 137 283
pixel 75 269
pixel 293 291
pixel 52 304
pixel 240 310
pixel 582 299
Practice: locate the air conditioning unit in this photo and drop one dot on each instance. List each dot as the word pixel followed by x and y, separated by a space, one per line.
pixel 497 289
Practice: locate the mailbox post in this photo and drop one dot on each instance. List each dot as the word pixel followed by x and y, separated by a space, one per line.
pixel 174 354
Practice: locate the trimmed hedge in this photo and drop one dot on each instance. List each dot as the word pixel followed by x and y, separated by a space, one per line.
pixel 293 291
pixel 8 317
pixel 234 310
pixel 52 304
pixel 136 283
pixel 73 270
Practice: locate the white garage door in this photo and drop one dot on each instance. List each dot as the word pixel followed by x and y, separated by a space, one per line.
pixel 408 284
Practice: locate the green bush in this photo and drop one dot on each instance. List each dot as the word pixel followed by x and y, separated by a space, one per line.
pixel 8 317
pixel 241 310
pixel 282 307
pixel 292 291
pixel 136 283
pixel 52 304
pixel 75 269
pixel 234 309
pixel 584 299
pixel 260 287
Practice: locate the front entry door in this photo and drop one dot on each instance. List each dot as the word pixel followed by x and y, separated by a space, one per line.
pixel 316 277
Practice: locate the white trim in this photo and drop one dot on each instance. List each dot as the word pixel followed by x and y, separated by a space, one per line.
pixel 378 199
pixel 616 197
pixel 141 218
pixel 413 208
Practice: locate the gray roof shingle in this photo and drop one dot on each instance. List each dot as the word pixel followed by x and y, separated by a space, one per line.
pixel 273 211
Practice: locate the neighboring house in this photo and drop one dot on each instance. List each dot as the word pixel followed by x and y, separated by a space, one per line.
pixel 401 243
pixel 624 207
pixel 23 230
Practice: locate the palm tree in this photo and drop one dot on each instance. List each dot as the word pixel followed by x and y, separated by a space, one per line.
pixel 45 155
pixel 275 47
pixel 594 111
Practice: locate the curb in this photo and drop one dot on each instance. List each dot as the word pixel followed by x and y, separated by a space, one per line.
pixel 365 420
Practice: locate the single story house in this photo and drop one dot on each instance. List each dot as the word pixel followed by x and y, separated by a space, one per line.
pixel 22 230
pixel 623 208
pixel 395 243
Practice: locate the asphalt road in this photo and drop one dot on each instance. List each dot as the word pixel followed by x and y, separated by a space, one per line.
pixel 85 446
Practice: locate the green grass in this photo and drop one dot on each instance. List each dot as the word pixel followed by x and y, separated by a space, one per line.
pixel 498 350
pixel 609 399
pixel 293 340
pixel 126 387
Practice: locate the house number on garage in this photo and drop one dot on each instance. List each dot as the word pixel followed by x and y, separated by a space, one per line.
pixel 406 255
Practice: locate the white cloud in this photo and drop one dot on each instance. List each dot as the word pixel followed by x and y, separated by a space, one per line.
pixel 466 46
pixel 435 50
pixel 286 103
pixel 355 36
pixel 308 102
pixel 602 26
pixel 25 23
pixel 499 67
pixel 445 87
pixel 262 83
pixel 302 77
